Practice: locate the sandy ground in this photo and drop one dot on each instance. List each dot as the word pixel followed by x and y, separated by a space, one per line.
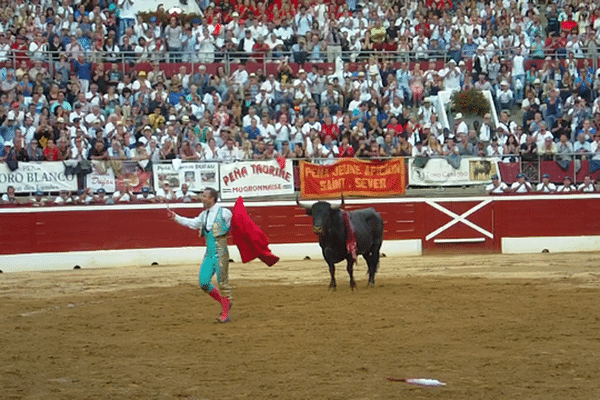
pixel 491 327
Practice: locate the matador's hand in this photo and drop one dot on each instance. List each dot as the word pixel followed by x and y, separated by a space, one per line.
pixel 171 214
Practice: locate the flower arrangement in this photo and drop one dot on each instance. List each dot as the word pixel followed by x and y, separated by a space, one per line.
pixel 470 102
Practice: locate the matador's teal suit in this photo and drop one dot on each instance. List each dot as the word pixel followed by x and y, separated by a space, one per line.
pixel 214 224
pixel 216 259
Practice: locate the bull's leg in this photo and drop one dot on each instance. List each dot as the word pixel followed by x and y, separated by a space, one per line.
pixel 332 284
pixel 372 262
pixel 350 269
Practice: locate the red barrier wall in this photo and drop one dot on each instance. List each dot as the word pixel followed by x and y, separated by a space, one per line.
pixel 442 225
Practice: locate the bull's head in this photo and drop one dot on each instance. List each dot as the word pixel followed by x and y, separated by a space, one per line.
pixel 321 213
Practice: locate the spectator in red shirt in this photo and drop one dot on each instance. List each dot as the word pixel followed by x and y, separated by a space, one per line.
pixel 395 126
pixel 259 49
pixel 51 152
pixel 346 150
pixel 328 128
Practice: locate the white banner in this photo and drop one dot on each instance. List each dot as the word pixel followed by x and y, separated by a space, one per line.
pixel 101 177
pixel 256 178
pixel 439 172
pixel 32 176
pixel 198 175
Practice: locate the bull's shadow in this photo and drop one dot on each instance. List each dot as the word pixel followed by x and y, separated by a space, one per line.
pixel 336 230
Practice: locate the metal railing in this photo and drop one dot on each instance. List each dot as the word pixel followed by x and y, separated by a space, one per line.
pixel 128 59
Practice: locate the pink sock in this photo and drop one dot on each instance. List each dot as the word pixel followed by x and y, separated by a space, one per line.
pixel 215 294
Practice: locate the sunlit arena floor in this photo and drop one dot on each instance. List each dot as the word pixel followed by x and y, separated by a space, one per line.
pixel 490 327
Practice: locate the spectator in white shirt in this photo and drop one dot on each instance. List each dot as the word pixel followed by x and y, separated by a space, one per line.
pixel 165 192
pixel 229 152
pixel 545 186
pixel 184 194
pixel 497 186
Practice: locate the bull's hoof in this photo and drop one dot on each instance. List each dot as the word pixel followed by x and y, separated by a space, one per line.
pixel 371 285
pixel 353 285
pixel 333 287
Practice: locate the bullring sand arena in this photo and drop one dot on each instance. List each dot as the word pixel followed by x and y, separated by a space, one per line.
pixel 490 327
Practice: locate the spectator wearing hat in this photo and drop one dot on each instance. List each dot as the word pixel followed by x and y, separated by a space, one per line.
pixel 567 186
pixel 460 126
pixel 548 150
pixel 5 150
pixel 505 98
pixel 165 192
pixel 202 79
pixel 299 51
pixel 16 114
pixel 84 196
pixel 521 185
pixel 545 186
pixel 141 80
pixel 38 199
pixel 426 110
pixel 101 198
pixel 497 186
pixel 451 76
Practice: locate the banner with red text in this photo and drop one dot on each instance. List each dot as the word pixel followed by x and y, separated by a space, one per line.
pixel 256 179
pixel 353 177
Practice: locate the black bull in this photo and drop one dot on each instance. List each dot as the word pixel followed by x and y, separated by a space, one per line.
pixel 328 224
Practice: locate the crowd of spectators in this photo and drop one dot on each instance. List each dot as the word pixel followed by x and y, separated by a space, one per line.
pixel 353 79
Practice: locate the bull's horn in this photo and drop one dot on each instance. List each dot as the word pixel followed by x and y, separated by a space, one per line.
pixel 306 207
pixel 341 205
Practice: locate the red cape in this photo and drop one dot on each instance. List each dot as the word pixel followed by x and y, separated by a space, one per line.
pixel 247 236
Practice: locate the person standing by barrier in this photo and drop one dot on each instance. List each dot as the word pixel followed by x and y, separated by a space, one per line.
pixel 214 224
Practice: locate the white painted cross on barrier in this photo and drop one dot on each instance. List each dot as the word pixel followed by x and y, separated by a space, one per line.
pixel 459 218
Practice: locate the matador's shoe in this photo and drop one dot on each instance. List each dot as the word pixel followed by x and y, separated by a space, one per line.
pixel 224 317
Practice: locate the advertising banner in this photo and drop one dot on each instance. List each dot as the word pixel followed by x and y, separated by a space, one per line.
pixel 118 175
pixel 198 175
pixel 32 176
pixel 101 177
pixel 353 177
pixel 256 179
pixel 439 172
